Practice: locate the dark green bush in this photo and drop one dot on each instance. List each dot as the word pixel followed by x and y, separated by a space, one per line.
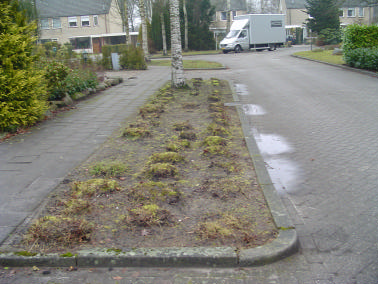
pixel 329 36
pixel 364 58
pixel 107 51
pixel 360 46
pixel 133 59
pixel 56 74
pixel 22 88
pixel 356 36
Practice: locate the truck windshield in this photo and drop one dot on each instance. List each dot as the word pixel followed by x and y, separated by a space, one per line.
pixel 232 33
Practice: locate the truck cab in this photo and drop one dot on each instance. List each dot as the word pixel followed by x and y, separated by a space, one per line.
pixel 238 37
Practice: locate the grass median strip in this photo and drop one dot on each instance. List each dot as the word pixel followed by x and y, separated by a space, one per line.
pixel 188 183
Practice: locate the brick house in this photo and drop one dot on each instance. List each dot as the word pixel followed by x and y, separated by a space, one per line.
pixel 86 24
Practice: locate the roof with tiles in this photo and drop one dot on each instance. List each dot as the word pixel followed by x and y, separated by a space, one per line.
pixel 67 8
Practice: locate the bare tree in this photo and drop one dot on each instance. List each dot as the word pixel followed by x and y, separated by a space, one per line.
pixel 163 34
pixel 123 10
pixel 228 17
pixel 142 13
pixel 186 48
pixel 178 79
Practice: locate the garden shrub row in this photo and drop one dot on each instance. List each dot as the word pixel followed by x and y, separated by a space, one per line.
pixel 130 57
pixel 360 46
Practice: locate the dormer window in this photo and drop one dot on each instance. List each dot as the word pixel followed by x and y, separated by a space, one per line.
pixel 72 22
pixel 85 21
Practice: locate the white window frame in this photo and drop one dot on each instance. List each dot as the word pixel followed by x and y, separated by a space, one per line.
pixel 95 20
pixel 72 20
pixel 222 14
pixel 55 21
pixel 361 12
pixel 233 15
pixel 353 12
pixel 342 13
pixel 85 19
pixel 45 24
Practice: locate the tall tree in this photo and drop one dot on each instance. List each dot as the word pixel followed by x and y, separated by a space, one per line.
pixel 160 25
pixel 324 15
pixel 123 10
pixel 178 79
pixel 200 15
pixel 143 19
pixel 186 47
pixel 228 16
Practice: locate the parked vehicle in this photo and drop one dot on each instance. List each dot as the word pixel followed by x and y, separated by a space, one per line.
pixel 255 31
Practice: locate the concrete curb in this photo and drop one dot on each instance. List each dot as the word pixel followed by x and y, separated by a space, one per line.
pixel 361 71
pixel 284 245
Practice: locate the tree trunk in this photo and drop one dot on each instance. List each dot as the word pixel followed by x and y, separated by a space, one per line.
pixel 178 79
pixel 164 37
pixel 228 27
pixel 186 48
pixel 126 22
pixel 142 11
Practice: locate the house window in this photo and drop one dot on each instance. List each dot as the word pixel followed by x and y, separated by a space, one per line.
pixel 45 24
pixel 56 23
pixel 72 22
pixel 233 14
pixel 361 12
pixel 95 20
pixel 223 16
pixel 85 21
pixel 351 12
pixel 341 12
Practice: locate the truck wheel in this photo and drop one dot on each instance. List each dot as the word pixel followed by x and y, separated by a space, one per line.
pixel 238 49
pixel 272 47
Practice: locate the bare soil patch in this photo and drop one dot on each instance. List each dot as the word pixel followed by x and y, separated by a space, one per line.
pixel 178 175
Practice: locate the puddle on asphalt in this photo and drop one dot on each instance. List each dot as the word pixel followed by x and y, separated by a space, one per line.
pixel 250 109
pixel 271 144
pixel 283 172
pixel 241 89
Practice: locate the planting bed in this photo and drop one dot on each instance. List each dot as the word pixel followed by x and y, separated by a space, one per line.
pixel 177 175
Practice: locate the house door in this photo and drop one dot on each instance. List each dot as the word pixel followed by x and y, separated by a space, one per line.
pixel 96 45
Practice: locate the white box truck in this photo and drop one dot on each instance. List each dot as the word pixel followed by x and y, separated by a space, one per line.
pixel 255 31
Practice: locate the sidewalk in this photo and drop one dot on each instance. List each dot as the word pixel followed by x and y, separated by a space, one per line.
pixel 32 164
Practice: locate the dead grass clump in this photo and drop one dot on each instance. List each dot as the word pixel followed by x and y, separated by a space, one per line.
pixel 189 135
pixel 166 157
pixel 93 187
pixel 108 169
pixel 226 226
pixel 229 167
pixel 76 206
pixel 215 140
pixel 59 230
pixel 150 215
pixel 151 108
pixel 225 188
pixel 190 105
pixel 215 150
pixel 137 132
pixel 154 191
pixel 217 130
pixel 161 170
pixel 180 126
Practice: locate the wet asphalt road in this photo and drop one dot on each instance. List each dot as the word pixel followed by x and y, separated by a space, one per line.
pixel 317 127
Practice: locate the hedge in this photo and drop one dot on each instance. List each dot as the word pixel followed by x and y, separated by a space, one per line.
pixel 360 46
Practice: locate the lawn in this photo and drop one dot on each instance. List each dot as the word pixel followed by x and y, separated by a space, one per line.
pixel 322 55
pixel 188 64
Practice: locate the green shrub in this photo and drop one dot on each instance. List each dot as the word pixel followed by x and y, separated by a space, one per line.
pixel 133 59
pixel 107 51
pixel 56 74
pixel 356 36
pixel 22 88
pixel 364 58
pixel 329 36
pixel 360 46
